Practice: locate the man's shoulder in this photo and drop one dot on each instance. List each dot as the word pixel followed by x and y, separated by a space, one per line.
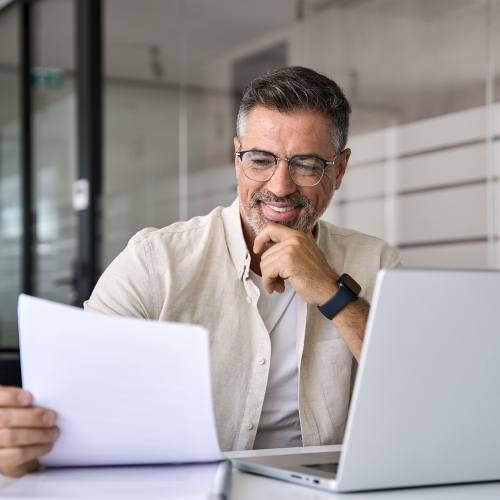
pixel 191 227
pixel 337 235
pixel 358 254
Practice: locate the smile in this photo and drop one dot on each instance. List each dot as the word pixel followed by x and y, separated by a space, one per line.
pixel 280 209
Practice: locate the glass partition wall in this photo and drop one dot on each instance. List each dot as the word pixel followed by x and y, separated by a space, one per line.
pixel 54 146
pixel 423 78
pixel 10 177
pixel 168 128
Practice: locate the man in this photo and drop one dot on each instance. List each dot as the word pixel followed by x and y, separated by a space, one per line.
pixel 283 364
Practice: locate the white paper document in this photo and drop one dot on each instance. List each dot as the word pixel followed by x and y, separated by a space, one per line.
pixel 126 390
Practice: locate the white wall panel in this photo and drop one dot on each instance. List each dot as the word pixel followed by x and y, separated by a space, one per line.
pixel 465 255
pixel 367 147
pixel 365 216
pixel 202 206
pixel 442 215
pixel 496 118
pixel 210 189
pixel 446 130
pixel 363 181
pixel 433 133
pixel 334 212
pixel 444 167
pixel 215 179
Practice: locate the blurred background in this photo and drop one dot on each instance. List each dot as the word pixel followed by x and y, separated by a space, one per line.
pixel 423 78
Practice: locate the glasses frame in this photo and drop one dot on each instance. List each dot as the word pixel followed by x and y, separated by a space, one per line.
pixel 326 163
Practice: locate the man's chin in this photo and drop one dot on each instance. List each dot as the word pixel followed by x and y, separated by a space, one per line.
pixel 298 224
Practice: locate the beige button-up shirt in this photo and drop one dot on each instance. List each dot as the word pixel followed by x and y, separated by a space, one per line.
pixel 198 272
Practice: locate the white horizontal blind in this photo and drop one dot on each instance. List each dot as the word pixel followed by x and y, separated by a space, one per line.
pixel 434 172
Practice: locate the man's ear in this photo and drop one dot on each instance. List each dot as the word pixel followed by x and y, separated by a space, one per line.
pixel 237 146
pixel 342 166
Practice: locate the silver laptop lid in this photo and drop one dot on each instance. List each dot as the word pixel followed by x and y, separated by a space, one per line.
pixel 426 403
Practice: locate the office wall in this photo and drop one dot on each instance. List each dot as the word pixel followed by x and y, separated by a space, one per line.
pixel 422 77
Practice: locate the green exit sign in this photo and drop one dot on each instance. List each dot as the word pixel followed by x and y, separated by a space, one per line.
pixel 52 78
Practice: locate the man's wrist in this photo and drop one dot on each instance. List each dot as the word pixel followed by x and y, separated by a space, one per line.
pixel 348 290
pixel 327 293
pixel 329 287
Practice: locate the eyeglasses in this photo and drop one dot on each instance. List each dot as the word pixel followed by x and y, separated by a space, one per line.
pixel 304 170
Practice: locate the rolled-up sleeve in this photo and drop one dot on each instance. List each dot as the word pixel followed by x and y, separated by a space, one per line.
pixel 125 287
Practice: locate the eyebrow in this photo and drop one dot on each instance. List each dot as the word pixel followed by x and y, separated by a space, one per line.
pixel 298 154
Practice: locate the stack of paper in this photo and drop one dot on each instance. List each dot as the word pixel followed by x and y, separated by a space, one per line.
pixel 175 482
pixel 126 391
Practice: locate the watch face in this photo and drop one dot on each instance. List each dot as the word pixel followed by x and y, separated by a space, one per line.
pixel 351 284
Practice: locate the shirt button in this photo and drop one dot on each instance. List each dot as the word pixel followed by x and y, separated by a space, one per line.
pixel 249 426
pixel 261 361
pixel 240 270
pixel 249 300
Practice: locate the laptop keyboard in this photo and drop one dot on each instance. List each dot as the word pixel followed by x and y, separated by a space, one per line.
pixel 330 467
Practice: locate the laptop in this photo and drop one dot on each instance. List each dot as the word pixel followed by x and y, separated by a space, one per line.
pixel 425 408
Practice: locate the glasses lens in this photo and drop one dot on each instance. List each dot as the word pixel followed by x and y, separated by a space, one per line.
pixel 306 170
pixel 257 165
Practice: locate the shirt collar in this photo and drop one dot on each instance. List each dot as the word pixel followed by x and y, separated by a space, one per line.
pixel 234 238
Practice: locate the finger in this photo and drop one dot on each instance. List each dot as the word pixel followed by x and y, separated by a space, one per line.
pixel 279 284
pixel 271 285
pixel 14 396
pixel 13 437
pixel 292 246
pixel 272 232
pixel 282 255
pixel 273 278
pixel 281 235
pixel 20 471
pixel 27 417
pixel 271 251
pixel 15 462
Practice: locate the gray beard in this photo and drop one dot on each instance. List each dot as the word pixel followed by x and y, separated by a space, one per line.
pixel 257 221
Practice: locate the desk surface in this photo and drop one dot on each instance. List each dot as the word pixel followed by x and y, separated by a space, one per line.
pixel 248 486
pixel 178 482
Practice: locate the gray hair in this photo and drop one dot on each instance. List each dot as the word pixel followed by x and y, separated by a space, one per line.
pixel 296 88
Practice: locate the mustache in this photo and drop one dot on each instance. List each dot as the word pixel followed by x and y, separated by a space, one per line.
pixel 296 199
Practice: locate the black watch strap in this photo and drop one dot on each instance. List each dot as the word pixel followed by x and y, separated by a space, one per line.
pixel 348 291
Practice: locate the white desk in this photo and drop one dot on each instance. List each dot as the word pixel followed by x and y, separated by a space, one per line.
pixel 248 486
pixel 170 482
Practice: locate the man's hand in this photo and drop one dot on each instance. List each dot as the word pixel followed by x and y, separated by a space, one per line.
pixel 295 256
pixel 26 432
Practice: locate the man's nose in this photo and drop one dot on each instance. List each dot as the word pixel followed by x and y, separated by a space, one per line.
pixel 281 183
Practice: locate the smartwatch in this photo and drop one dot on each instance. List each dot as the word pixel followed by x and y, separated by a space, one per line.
pixel 348 291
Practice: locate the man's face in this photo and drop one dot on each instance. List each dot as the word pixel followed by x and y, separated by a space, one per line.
pixel 280 200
